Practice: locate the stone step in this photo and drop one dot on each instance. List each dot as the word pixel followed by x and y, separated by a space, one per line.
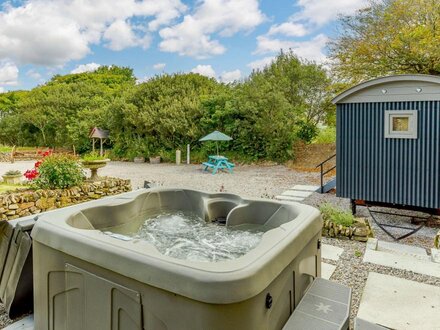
pixel 305 188
pixel 296 193
pixel 404 262
pixel 325 306
pixel 289 198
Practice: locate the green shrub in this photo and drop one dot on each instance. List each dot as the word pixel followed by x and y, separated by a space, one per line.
pixel 94 155
pixel 59 171
pixel 307 131
pixel 326 135
pixel 13 172
pixel 336 215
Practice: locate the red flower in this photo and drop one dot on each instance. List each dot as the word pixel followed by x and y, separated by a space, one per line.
pixel 33 173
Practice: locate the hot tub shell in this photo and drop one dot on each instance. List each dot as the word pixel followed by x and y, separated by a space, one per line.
pixel 85 279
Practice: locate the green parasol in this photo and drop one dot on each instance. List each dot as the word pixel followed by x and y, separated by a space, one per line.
pixel 216 136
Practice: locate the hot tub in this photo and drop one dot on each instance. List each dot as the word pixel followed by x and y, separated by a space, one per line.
pixel 89 273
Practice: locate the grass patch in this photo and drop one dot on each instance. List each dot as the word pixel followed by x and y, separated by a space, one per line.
pixel 336 215
pixel 11 187
pixel 5 148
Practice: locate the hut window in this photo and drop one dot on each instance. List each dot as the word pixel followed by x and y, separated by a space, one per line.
pixel 401 124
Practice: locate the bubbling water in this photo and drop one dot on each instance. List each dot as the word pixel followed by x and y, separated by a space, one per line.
pixel 186 236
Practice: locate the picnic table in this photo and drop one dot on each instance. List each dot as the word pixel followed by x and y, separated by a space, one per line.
pixel 218 163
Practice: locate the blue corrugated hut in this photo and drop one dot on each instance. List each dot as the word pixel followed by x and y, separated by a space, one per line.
pixel 388 142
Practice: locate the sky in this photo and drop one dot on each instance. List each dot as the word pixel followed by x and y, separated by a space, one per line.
pixel 223 39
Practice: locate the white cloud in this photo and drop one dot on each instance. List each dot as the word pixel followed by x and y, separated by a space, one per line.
pixel 51 32
pixel 289 29
pixel 193 36
pixel 204 70
pixel 120 35
pixel 230 76
pixel 311 49
pixel 321 12
pixel 89 67
pixel 143 79
pixel 8 73
pixel 311 15
pixel 2 90
pixel 261 63
pixel 33 74
pixel 159 66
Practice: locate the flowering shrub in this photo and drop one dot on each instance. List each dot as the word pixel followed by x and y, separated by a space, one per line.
pixel 32 174
pixel 56 171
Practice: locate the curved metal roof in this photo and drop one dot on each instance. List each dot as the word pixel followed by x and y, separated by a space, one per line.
pixel 386 80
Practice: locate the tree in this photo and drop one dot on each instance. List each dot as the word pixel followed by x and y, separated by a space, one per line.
pixel 388 37
pixel 305 86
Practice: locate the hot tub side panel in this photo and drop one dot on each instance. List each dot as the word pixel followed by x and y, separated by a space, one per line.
pixel 70 293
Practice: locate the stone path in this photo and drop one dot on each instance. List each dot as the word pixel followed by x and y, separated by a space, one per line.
pixel 397 303
pixel 332 253
pixel 400 256
pixel 297 193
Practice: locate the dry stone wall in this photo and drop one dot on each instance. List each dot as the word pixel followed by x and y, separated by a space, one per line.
pixel 359 231
pixel 23 203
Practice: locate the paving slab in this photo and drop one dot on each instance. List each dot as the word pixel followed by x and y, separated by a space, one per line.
pixel 305 187
pixel 397 303
pixel 405 262
pixel 435 255
pixel 297 193
pixel 360 324
pixel 402 249
pixel 327 270
pixel 331 252
pixel 289 198
pixel 26 323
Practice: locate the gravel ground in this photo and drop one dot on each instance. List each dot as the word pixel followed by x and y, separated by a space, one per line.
pixel 267 181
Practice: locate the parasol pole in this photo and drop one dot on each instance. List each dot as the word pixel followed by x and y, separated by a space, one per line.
pixel 216 143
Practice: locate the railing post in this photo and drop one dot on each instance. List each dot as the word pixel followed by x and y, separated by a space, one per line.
pixel 322 179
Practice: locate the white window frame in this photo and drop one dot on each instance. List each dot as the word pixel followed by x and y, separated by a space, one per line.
pixel 413 124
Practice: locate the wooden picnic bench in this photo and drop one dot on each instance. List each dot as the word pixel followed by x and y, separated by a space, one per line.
pixel 217 163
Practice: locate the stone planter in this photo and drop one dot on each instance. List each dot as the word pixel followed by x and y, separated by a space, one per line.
pixel 155 160
pixel 94 165
pixel 139 159
pixel 12 179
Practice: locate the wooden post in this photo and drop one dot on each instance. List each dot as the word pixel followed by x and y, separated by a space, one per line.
pixel 188 158
pixel 100 152
pixel 178 157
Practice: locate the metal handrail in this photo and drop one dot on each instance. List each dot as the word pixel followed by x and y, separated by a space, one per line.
pixel 325 161
pixel 327 171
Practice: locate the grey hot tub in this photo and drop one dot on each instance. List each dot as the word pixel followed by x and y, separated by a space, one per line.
pixel 85 279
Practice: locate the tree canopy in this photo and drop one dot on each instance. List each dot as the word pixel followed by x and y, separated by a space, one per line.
pixel 388 37
pixel 264 114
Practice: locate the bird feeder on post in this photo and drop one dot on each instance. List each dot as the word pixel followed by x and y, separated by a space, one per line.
pixel 98 134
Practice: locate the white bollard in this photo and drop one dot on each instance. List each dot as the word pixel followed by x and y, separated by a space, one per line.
pixel 178 156
pixel 188 159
